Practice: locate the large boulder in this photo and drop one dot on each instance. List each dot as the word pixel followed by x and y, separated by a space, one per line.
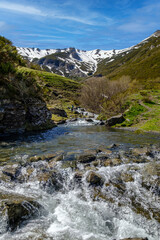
pixel 114 120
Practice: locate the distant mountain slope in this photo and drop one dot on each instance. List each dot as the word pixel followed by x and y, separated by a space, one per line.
pixel 69 62
pixel 141 62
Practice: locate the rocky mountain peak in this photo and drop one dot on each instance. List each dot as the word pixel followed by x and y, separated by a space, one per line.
pixel 157 33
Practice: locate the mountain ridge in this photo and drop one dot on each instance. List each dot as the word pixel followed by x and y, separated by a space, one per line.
pixel 75 63
pixel 69 61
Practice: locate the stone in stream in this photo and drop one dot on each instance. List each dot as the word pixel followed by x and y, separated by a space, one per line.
pixel 19 213
pixel 19 209
pixel 95 179
pixel 12 171
pixel 51 181
pixel 89 120
pixel 112 162
pixel 134 239
pixel 86 158
pixel 114 120
pixel 151 177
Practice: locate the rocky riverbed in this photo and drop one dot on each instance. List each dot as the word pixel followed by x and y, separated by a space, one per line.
pixel 104 193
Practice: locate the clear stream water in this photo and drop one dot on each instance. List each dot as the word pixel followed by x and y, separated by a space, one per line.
pixel 72 214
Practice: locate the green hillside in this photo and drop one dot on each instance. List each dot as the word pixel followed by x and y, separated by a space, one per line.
pixel 26 95
pixel 141 63
pixel 140 104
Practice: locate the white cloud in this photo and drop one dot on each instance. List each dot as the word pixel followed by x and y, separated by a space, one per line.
pixel 40 35
pixel 83 15
pixel 75 19
pixel 21 8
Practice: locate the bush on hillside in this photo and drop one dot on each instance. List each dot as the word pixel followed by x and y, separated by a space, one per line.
pixel 102 95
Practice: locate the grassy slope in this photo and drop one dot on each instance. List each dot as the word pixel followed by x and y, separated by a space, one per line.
pixel 58 91
pixel 144 111
pixel 142 65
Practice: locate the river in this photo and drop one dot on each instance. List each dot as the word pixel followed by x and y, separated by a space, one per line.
pixel 72 214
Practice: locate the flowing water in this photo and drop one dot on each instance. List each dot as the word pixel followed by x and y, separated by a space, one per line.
pixel 72 214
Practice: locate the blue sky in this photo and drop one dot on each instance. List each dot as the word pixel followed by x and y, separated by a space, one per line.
pixel 84 24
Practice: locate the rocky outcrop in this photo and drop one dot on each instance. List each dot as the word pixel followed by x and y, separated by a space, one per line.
pixel 17 116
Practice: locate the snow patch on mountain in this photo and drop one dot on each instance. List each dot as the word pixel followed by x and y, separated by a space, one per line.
pixel 78 62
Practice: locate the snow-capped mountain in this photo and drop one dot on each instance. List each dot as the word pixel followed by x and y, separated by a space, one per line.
pixel 71 62
pixel 68 62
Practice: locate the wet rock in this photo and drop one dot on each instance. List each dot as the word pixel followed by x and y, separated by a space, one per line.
pixel 89 120
pixel 12 171
pixel 58 158
pixel 35 158
pixel 113 146
pixel 139 151
pixel 90 151
pixel 19 213
pixel 127 177
pixel 95 179
pixel 19 209
pixel 53 158
pixel 69 164
pixel 86 158
pixel 147 211
pixel 78 177
pixel 134 239
pixel 51 181
pixel 114 120
pixel 151 177
pixel 102 123
pixel 112 162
